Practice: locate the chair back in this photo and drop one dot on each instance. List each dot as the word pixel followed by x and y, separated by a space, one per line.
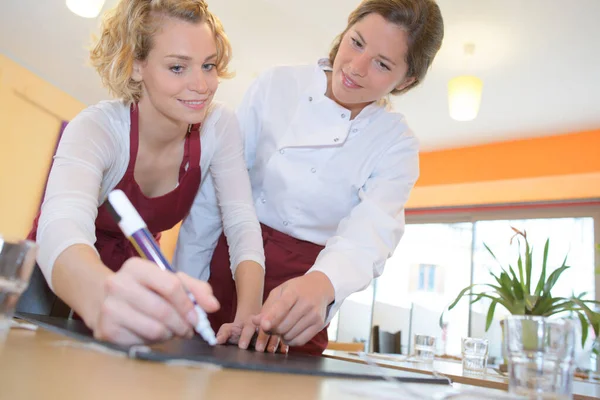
pixel 386 342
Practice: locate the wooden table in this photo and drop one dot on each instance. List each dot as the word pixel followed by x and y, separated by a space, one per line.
pixel 453 370
pixel 43 365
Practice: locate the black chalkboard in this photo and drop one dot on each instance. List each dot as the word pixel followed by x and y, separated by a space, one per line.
pixel 230 356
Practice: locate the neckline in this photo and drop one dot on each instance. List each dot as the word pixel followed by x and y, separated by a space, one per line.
pixel 189 156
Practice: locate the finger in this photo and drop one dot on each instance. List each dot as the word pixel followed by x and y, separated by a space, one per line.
pixel 246 337
pixel 113 333
pixel 117 315
pixel 297 312
pixel 283 348
pixel 202 291
pixel 272 299
pixel 256 319
pixel 275 309
pixel 149 303
pixel 234 333
pixel 225 333
pixel 306 331
pixel 273 344
pixel 262 340
pixel 304 337
pixel 165 284
pixel 308 325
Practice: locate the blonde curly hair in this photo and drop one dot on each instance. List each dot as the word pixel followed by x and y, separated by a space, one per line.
pixel 127 32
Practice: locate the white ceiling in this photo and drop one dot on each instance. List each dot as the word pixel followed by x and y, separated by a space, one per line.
pixel 539 59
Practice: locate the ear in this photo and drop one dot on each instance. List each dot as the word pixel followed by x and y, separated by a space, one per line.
pixel 138 67
pixel 409 80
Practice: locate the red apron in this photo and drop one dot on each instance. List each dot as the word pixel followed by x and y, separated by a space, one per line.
pixel 160 213
pixel 286 258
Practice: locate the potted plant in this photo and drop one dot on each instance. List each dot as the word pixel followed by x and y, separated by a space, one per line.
pixel 517 293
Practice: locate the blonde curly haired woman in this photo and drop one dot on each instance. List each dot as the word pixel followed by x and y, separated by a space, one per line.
pixel 158 142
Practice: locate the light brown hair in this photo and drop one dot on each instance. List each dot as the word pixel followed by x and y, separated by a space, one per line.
pixel 423 23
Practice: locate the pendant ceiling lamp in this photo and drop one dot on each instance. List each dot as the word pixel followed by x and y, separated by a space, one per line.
pixel 86 8
pixel 464 93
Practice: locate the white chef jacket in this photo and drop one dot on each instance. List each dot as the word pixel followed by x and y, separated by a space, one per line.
pixel 317 176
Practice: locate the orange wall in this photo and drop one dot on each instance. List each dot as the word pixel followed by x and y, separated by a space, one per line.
pixel 576 153
pixel 554 168
pixel 31 111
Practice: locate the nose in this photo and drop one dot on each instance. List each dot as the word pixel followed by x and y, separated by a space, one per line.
pixel 198 83
pixel 360 64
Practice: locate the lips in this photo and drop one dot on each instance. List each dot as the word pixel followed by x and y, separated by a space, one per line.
pixel 349 83
pixel 193 104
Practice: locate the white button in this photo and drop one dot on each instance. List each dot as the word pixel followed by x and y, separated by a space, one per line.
pixel 336 139
pixel 263 200
pixel 285 223
pixel 343 115
pixel 282 151
pixel 354 130
pixel 313 170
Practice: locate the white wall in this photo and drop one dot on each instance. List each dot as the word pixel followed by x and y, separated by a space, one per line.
pixel 355 322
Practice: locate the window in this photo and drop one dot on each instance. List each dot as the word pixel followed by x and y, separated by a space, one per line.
pixel 415 287
pixel 568 236
pixel 427 277
pixel 352 323
pixel 411 293
pixel 431 282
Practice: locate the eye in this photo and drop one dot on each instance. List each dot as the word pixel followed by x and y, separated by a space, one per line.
pixel 178 69
pixel 357 43
pixel 382 66
pixel 208 67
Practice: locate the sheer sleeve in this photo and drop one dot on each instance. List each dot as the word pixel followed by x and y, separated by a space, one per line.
pixel 234 194
pixel 86 150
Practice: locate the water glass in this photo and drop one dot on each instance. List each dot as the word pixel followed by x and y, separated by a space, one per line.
pixel 17 259
pixel 474 355
pixel 540 356
pixel 424 348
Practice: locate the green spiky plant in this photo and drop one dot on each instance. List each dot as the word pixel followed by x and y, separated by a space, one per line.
pixel 514 292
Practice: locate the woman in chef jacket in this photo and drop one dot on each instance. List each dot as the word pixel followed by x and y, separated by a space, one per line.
pixel 331 168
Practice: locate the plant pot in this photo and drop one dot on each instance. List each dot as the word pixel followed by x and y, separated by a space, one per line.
pixel 540 354
pixel 529 337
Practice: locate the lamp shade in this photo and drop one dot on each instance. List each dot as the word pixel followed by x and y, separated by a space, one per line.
pixel 85 8
pixel 464 97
